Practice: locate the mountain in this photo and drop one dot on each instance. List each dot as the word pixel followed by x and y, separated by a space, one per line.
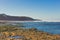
pixel 15 18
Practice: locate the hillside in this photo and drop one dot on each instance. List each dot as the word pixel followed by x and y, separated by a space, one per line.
pixel 15 18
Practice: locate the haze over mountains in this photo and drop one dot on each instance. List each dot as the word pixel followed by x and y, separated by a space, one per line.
pixel 16 18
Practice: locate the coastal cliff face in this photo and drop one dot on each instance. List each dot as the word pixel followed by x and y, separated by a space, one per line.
pixel 15 18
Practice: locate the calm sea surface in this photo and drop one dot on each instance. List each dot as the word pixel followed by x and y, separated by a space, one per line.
pixel 50 27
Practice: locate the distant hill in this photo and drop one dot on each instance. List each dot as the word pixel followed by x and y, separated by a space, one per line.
pixel 15 18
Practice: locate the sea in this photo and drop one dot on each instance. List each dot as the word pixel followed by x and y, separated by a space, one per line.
pixel 49 27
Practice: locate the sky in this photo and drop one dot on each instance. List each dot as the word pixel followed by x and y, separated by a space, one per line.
pixel 47 10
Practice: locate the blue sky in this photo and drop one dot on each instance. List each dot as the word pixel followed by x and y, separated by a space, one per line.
pixel 39 9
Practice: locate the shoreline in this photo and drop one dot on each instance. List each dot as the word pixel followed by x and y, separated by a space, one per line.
pixel 10 33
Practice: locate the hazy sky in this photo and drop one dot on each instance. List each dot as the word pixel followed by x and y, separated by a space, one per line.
pixel 39 9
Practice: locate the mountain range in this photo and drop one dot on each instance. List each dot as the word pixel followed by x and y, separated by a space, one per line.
pixel 15 18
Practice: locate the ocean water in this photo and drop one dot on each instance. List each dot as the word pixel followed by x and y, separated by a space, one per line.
pixel 50 27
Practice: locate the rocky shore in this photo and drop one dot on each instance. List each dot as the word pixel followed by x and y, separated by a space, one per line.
pixel 15 33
